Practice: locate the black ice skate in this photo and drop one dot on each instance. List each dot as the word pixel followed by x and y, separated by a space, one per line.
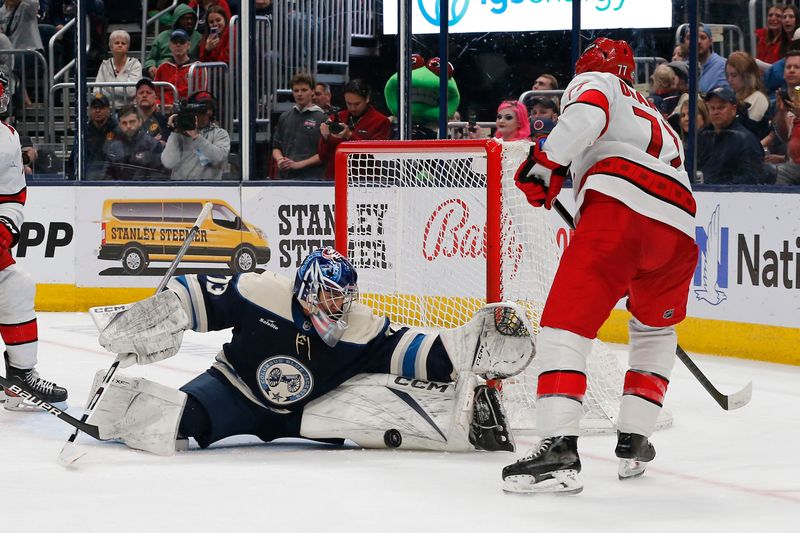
pixel 553 467
pixel 29 379
pixel 634 451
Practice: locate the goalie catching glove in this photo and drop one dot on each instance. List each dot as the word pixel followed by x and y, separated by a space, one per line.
pixel 539 178
pixel 495 344
pixel 149 331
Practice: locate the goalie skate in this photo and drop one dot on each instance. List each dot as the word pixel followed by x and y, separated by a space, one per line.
pixel 634 451
pixel 552 468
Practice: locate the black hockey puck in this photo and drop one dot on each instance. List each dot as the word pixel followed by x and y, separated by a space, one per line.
pixel 392 438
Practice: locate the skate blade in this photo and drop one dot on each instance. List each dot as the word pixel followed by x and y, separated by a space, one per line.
pixel 562 482
pixel 15 403
pixel 630 469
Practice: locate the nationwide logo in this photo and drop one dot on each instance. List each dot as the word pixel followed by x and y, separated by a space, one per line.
pixel 711 274
pixel 458 8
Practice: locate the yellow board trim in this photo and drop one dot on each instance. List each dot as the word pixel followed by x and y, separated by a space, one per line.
pixel 774 344
pixel 734 339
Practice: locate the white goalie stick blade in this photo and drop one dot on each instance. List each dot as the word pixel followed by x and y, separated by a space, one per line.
pixel 69 454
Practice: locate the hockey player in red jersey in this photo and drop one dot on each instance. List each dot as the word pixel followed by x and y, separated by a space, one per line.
pixel 17 289
pixel 634 238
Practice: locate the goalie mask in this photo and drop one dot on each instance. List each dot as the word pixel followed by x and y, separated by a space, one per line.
pixel 4 96
pixel 327 283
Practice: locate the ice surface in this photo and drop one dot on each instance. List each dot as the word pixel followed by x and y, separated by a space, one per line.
pixel 715 470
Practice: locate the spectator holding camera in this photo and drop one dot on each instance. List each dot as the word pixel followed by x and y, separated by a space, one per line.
pixel 296 137
pixel 359 122
pixel 197 149
pixel 176 69
pixel 133 155
pixel 214 46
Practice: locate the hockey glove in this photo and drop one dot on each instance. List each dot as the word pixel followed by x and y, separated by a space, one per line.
pixel 539 178
pixel 9 234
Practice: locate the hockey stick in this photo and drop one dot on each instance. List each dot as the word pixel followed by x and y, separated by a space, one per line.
pixel 70 453
pixel 726 401
pixel 32 399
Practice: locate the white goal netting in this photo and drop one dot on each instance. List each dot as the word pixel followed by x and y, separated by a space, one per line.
pixel 437 228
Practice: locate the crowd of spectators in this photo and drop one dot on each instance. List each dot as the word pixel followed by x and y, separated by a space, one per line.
pixel 746 114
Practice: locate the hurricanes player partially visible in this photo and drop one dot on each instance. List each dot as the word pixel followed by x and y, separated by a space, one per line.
pixel 17 317
pixel 634 238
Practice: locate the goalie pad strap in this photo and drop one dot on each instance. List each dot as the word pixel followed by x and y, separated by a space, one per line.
pixel 141 413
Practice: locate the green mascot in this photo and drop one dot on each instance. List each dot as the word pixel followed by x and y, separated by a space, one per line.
pixel 424 96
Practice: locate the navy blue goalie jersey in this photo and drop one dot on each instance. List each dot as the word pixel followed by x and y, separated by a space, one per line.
pixel 275 357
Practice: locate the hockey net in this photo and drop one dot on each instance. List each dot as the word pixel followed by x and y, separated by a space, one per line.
pixel 437 228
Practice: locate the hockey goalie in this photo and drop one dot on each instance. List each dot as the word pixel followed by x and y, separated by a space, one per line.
pixel 306 359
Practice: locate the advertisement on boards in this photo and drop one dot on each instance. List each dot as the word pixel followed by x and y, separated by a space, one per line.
pixel 749 267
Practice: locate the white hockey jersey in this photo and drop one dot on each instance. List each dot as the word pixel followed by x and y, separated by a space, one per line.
pixel 12 175
pixel 618 144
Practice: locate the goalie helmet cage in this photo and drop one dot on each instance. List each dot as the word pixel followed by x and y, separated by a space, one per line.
pixel 436 229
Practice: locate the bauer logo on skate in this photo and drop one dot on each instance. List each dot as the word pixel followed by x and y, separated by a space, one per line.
pixel 284 380
pixel 450 232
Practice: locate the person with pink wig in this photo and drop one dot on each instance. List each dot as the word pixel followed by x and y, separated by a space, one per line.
pixel 512 121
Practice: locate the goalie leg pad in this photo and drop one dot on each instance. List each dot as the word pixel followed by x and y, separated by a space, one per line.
pixel 496 343
pixel 141 413
pixel 388 411
pixel 150 330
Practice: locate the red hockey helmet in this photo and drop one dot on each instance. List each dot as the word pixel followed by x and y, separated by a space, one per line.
pixel 608 55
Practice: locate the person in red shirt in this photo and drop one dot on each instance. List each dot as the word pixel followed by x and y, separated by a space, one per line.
pixel 215 45
pixel 359 122
pixel 770 41
pixel 176 70
pixel 201 9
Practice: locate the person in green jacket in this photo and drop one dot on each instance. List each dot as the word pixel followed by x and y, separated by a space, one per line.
pixel 185 19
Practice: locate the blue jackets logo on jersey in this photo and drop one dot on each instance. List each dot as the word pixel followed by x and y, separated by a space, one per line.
pixel 284 380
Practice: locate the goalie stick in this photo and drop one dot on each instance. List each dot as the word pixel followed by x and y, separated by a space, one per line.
pixel 726 401
pixel 70 452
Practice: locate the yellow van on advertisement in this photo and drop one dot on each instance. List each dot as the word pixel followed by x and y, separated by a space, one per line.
pixel 140 231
